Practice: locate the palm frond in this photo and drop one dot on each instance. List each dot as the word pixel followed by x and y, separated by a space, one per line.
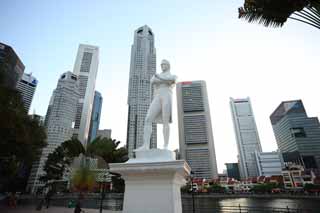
pixel 274 13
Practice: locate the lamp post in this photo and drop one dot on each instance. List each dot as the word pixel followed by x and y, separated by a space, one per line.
pixel 103 192
pixel 192 191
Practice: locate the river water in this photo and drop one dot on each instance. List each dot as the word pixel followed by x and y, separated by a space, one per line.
pixel 209 204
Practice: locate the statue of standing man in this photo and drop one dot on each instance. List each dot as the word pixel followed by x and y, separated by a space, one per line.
pixel 161 105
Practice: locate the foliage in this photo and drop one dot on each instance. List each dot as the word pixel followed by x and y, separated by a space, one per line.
pixel 216 188
pixel 274 13
pixel 84 179
pixel 22 138
pixel 61 158
pixel 311 187
pixel 107 148
pixel 186 188
pixel 264 187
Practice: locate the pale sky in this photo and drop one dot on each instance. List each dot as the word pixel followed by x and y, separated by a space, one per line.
pixel 203 40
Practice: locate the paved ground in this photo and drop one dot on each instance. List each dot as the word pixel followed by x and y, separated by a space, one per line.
pixel 31 209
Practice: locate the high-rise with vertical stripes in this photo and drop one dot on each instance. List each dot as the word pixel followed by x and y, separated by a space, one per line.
pixel 142 68
pixel 246 135
pixel 86 68
pixel 195 130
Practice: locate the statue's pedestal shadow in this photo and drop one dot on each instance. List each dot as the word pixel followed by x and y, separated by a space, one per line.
pixel 153 181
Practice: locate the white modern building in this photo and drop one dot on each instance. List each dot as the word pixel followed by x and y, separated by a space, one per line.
pixel 60 120
pixel 27 86
pixel 86 68
pixel 246 135
pixel 195 130
pixel 268 163
pixel 142 68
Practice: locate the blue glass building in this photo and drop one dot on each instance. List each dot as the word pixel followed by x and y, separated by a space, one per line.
pixel 95 116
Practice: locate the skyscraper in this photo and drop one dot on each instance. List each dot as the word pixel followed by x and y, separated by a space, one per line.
pixel 59 122
pixel 10 65
pixel 86 68
pixel 233 170
pixel 195 130
pixel 247 136
pixel 297 135
pixel 27 86
pixel 95 115
pixel 142 68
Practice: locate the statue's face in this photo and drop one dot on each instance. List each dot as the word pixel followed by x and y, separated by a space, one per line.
pixel 165 66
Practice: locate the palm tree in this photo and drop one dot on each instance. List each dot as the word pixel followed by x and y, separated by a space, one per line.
pixel 274 13
pixel 108 150
pixel 63 156
pixel 83 179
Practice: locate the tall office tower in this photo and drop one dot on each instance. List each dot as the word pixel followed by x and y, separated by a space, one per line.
pixel 297 135
pixel 247 136
pixel 27 86
pixel 195 130
pixel 10 66
pixel 59 123
pixel 86 68
pixel 95 116
pixel 142 68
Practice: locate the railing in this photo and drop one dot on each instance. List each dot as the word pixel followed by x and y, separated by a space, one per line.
pixel 244 209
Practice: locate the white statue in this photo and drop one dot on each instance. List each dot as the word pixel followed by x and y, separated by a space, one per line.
pixel 160 107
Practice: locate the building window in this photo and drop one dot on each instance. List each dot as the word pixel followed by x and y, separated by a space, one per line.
pixel 298 132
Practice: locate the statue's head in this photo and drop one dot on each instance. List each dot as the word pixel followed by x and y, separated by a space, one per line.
pixel 165 65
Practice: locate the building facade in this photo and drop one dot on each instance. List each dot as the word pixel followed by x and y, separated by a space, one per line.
pixel 95 115
pixel 269 163
pixel 27 87
pixel 233 170
pixel 86 68
pixel 195 130
pixel 142 68
pixel 246 135
pixel 104 133
pixel 10 66
pixel 297 135
pixel 59 123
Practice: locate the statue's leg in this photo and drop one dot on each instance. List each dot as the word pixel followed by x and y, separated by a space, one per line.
pixel 154 110
pixel 166 114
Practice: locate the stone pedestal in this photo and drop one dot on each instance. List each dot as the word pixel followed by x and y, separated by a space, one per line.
pixel 153 181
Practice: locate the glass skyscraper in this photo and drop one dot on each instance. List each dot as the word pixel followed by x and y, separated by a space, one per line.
pixel 95 116
pixel 297 135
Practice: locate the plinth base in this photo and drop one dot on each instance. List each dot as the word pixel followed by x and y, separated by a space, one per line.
pixel 152 187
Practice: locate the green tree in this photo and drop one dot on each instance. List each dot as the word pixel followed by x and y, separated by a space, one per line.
pixel 22 138
pixel 60 159
pixel 63 156
pixel 108 150
pixel 275 13
pixel 216 188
